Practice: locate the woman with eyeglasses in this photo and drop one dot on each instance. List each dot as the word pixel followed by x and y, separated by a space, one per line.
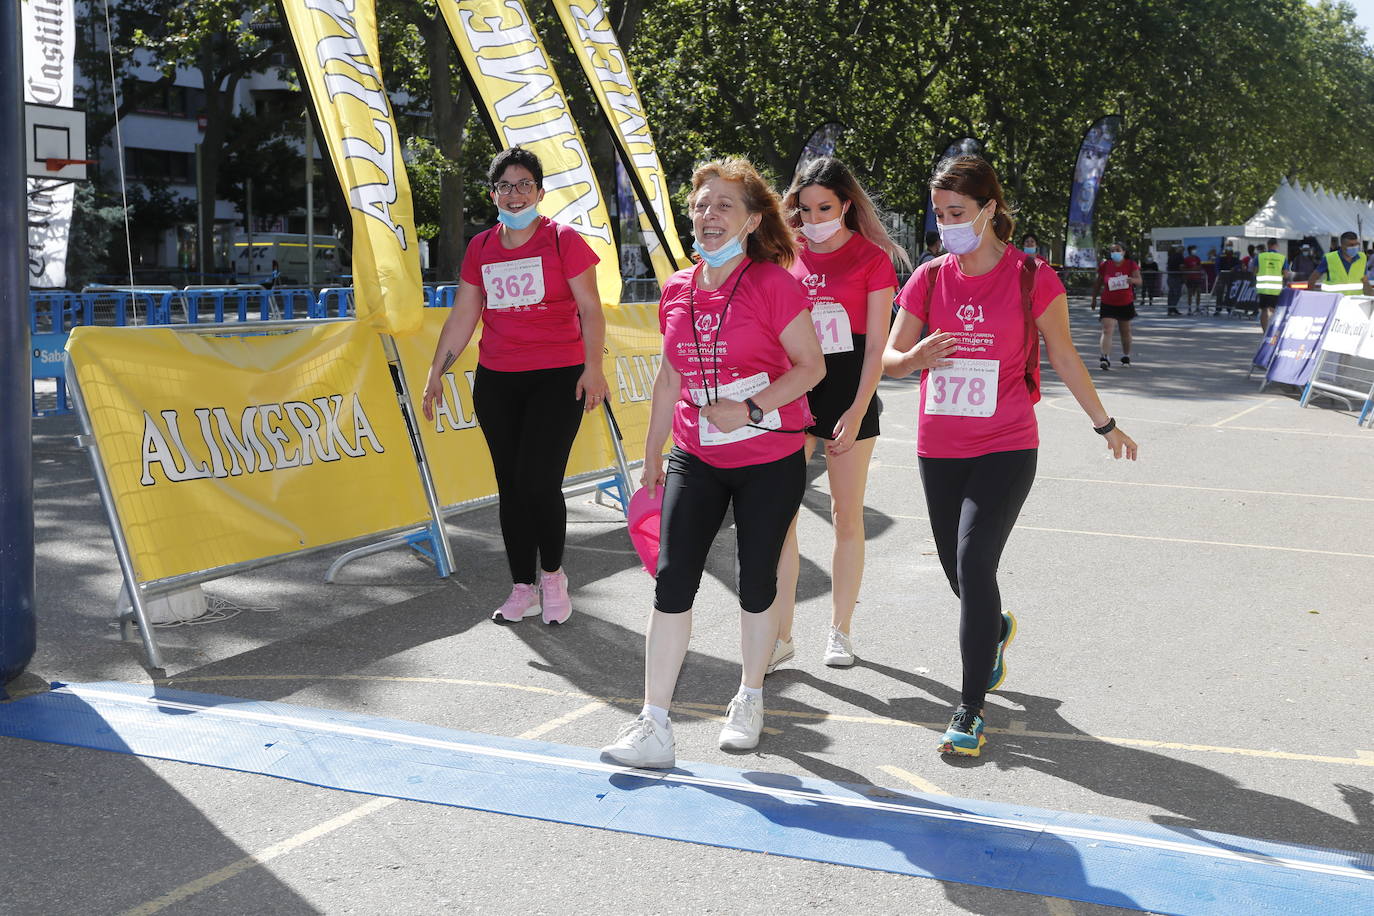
pixel 845 262
pixel 739 355
pixel 986 306
pixel 532 283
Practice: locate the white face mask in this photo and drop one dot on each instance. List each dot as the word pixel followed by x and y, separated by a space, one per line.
pixel 961 238
pixel 821 232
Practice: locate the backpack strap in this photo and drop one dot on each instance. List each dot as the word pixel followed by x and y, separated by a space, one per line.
pixel 933 274
pixel 1029 265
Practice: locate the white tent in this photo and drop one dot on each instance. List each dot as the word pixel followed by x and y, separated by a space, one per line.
pixel 1296 211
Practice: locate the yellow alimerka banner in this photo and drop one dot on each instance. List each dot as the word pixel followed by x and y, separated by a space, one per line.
pixel 221 450
pixel 337 45
pixel 525 106
pixel 458 455
pixel 594 42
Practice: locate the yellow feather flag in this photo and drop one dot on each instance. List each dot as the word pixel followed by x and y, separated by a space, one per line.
pixel 336 41
pixel 593 40
pixel 524 105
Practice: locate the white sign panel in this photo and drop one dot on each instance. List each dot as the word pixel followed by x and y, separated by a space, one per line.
pixel 1349 325
pixel 49 31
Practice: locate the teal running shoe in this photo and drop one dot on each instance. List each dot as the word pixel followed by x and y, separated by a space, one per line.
pixel 964 736
pixel 999 664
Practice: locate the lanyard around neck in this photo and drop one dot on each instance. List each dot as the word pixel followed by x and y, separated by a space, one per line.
pixel 714 394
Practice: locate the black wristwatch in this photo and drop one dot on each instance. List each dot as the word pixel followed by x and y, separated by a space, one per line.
pixel 755 411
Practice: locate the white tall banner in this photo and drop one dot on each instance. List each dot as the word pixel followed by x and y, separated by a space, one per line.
pixel 49 28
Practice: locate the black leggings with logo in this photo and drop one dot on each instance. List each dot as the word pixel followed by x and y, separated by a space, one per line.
pixel 530 420
pixel 973 505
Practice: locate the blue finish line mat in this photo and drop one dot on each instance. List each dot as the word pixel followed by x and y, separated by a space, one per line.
pixel 1097 860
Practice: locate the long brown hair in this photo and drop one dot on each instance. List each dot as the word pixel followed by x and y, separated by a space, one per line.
pixel 971 176
pixel 772 240
pixel 862 216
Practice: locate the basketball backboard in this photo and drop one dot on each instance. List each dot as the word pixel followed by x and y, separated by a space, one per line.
pixel 55 142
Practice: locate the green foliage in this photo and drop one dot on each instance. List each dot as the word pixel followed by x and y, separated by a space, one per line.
pixel 260 148
pixel 95 220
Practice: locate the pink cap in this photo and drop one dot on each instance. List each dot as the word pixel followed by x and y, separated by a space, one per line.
pixel 643 524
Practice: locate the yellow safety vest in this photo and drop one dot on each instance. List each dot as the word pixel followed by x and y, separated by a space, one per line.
pixel 1269 277
pixel 1339 280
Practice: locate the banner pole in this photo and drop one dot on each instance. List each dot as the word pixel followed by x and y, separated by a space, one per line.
pixel 443 551
pixel 87 440
pixel 18 623
pixel 621 464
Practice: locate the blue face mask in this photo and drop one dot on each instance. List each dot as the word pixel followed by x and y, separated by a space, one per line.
pixel 1029 249
pixel 1352 251
pixel 731 249
pixel 1118 256
pixel 517 221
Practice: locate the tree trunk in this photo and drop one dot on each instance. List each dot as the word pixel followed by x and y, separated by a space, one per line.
pixel 450 114
pixel 219 108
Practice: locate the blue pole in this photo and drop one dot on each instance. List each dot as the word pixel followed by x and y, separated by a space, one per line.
pixel 17 622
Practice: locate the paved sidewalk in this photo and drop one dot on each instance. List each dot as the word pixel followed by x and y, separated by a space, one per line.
pixel 1194 650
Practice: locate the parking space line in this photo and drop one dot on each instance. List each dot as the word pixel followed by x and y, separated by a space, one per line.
pixel 1152 537
pixel 263 856
pixel 1357 758
pixel 919 782
pixel 1242 413
pixel 1184 486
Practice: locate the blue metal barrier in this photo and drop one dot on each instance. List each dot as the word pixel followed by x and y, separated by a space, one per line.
pixel 339 299
pixel 443 296
pixel 52 315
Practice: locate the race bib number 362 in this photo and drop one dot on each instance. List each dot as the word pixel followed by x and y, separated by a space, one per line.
pixel 966 389
pixel 509 284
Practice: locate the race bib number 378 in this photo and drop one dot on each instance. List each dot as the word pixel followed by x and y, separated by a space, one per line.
pixel 966 389
pixel 509 284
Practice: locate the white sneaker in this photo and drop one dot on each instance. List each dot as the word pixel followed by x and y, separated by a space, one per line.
pixel 643 743
pixel 782 651
pixel 839 650
pixel 743 724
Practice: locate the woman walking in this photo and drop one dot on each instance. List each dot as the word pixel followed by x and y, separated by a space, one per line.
pixel 844 261
pixel 1117 279
pixel 739 355
pixel 532 283
pixel 986 304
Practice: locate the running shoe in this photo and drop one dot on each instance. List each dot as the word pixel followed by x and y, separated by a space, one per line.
pixel 1125 360
pixel 643 743
pixel 523 602
pixel 1104 363
pixel 782 651
pixel 999 665
pixel 743 724
pixel 964 736
pixel 553 591
pixel 839 649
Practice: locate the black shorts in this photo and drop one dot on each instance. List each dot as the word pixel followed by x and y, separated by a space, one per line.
pixel 835 394
pixel 1119 312
pixel 1268 302
pixel 765 498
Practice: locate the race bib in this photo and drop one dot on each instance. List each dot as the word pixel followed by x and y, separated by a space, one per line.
pixel 509 284
pixel 737 390
pixel 832 326
pixel 1118 281
pixel 966 389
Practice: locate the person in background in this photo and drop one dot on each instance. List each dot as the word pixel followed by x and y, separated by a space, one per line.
pixel 1192 278
pixel 1030 244
pixel 1173 276
pixel 1271 270
pixel 1117 277
pixel 1149 277
pixel 739 354
pixel 1226 263
pixel 1304 262
pixel 977 436
pixel 1342 270
pixel 932 249
pixel 532 284
pixel 845 261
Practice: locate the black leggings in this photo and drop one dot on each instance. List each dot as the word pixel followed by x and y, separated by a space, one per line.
pixel 530 420
pixel 695 497
pixel 973 504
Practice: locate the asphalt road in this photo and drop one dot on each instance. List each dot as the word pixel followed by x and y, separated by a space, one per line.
pixel 1195 650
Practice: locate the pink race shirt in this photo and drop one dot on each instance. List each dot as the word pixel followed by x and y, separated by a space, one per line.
pixel 980 405
pixel 844 277
pixel 737 358
pixel 1106 271
pixel 529 316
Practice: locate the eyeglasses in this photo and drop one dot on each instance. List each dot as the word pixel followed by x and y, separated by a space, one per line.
pixel 524 186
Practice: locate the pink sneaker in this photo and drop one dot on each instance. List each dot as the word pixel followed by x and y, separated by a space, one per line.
pixel 523 602
pixel 553 586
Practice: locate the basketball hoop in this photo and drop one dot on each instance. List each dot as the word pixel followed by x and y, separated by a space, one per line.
pixel 56 165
